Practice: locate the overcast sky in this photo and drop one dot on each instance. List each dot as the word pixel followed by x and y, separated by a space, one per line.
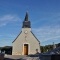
pixel 43 14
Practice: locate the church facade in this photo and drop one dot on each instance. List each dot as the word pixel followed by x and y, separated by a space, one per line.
pixel 26 42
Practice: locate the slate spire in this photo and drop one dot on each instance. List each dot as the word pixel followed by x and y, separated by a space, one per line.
pixel 26 22
pixel 26 16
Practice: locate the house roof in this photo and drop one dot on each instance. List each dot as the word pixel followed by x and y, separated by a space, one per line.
pixel 54 51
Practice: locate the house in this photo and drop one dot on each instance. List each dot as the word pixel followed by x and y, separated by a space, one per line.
pixel 6 50
pixel 26 42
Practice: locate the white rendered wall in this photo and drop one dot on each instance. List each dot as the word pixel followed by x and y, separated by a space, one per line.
pixel 18 44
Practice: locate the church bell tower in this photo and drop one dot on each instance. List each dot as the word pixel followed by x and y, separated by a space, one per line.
pixel 26 42
pixel 26 22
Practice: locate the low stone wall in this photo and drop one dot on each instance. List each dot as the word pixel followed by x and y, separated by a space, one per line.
pixel 55 57
pixel 1 56
pixel 46 57
pixel 50 57
pixel 33 57
pixel 21 57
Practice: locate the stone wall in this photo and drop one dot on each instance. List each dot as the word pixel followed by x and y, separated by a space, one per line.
pixel 1 56
pixel 50 57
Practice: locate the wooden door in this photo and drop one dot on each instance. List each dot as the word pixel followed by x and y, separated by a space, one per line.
pixel 25 49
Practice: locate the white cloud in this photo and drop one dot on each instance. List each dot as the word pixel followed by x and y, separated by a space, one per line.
pixel 48 33
pixel 8 18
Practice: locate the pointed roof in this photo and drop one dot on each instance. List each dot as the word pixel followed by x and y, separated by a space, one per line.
pixel 26 17
pixel 26 22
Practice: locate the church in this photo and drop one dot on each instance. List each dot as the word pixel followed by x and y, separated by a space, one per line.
pixel 26 42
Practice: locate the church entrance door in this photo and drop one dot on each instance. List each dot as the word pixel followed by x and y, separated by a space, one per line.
pixel 25 49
